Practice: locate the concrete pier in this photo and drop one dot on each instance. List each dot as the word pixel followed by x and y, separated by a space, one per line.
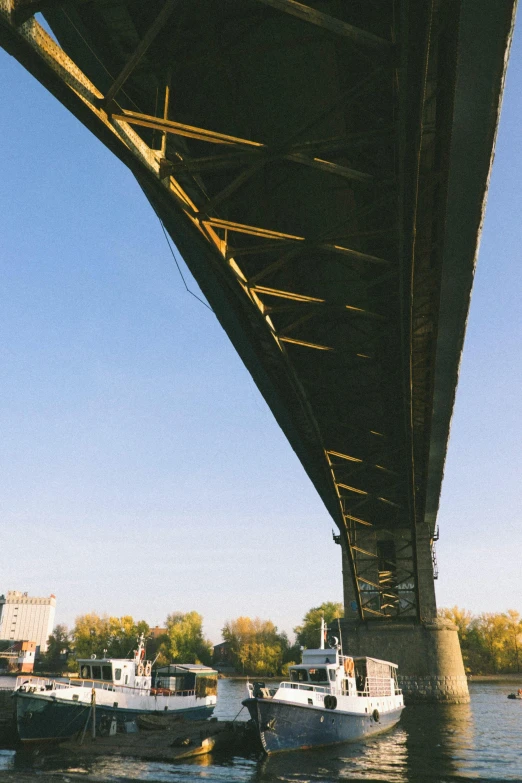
pixel 428 655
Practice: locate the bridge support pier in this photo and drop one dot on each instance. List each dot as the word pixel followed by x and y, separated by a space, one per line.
pixel 428 655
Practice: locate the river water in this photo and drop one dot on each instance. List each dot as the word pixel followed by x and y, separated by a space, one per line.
pixel 433 744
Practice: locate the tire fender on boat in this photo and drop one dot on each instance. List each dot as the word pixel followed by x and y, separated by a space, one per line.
pixel 330 702
pixel 376 716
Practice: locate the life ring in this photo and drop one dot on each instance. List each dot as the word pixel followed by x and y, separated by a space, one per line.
pixel 140 670
pixel 376 716
pixel 330 702
pixel 148 669
pixel 349 667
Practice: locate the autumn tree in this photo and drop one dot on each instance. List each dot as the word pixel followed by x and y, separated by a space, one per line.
pixel 490 642
pixel 255 646
pixel 114 637
pixel 492 630
pixel 308 634
pixel 184 641
pixel 513 640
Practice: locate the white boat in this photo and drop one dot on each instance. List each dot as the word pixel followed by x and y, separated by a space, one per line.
pixel 110 693
pixel 330 698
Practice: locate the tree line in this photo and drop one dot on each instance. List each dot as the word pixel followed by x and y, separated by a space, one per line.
pixel 254 647
pixel 491 643
pixel 116 637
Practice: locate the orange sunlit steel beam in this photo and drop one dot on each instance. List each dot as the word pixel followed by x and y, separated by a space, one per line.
pixel 352 489
pixel 305 344
pixel 214 137
pixel 358 519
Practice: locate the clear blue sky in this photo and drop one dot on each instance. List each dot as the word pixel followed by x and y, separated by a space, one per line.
pixel 140 470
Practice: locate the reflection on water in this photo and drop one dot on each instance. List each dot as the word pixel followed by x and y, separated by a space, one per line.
pixel 381 758
pixel 438 744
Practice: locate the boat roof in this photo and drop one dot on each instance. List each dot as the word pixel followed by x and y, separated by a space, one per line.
pixel 180 668
pixel 105 660
pixel 375 660
pixel 333 651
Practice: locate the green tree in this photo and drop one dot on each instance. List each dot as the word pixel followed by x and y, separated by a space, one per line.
pixel 114 637
pixel 124 633
pixel 58 648
pixel 90 635
pixel 308 634
pixel 184 642
pixel 255 646
pixel 514 639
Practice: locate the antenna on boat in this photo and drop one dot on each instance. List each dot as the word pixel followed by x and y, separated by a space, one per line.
pixel 340 635
pixel 323 632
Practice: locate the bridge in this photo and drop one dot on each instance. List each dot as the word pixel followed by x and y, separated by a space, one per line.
pixel 323 169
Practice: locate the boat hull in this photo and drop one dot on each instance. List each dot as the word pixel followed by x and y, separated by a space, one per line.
pixel 42 719
pixel 284 726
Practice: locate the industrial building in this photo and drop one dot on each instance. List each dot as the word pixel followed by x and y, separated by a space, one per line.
pixel 24 617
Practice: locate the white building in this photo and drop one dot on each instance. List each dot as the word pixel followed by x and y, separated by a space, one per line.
pixel 25 617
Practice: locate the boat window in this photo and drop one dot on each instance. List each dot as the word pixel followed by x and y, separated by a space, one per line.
pixel 107 672
pixel 318 675
pixel 298 675
pixel 96 672
pixel 85 672
pixel 117 674
pixel 331 672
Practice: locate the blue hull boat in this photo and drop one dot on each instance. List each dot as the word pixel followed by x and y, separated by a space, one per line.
pixel 283 726
pixel 330 698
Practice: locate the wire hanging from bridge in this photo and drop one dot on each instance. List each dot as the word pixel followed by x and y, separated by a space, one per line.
pixel 178 265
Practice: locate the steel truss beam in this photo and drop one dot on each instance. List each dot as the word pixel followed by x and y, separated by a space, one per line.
pixel 260 154
pixel 159 22
pixel 330 23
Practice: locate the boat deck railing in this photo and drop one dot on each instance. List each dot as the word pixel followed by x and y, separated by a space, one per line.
pixel 45 684
pixel 374 686
pixel 301 686
pixel 379 686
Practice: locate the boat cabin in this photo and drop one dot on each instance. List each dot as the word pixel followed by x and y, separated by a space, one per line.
pixel 342 674
pixel 118 671
pixel 187 679
pixel 135 672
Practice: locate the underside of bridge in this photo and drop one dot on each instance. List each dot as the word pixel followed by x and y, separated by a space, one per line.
pixel 322 168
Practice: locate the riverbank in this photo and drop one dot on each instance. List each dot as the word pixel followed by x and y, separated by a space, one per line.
pixel 514 677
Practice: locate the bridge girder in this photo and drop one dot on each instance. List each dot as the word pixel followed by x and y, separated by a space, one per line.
pixel 322 167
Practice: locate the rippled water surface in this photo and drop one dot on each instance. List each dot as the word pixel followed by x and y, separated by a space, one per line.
pixel 437 744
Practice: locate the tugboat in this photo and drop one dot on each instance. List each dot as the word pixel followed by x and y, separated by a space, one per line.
pixel 108 695
pixel 330 698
